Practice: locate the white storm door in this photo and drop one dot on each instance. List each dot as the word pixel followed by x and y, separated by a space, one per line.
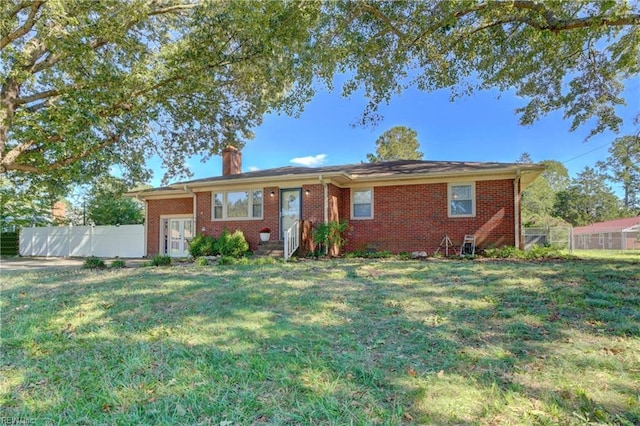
pixel 289 209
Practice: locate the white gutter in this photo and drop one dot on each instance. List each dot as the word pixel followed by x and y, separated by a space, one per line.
pixel 263 180
pixel 516 208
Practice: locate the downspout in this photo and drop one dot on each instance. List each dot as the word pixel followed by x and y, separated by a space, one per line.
pixel 516 208
pixel 195 208
pixel 146 222
pixel 325 201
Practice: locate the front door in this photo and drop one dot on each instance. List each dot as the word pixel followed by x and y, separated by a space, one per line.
pixel 289 209
pixel 180 233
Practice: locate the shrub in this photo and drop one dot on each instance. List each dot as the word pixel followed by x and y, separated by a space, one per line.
pixel 546 252
pixel 234 245
pixel 329 235
pixel 504 252
pixel 118 263
pixel 161 260
pixel 201 261
pixel 202 245
pixel 94 263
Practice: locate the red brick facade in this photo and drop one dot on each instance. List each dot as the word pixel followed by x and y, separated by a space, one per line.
pixel 405 217
pixel 158 208
pixel 415 217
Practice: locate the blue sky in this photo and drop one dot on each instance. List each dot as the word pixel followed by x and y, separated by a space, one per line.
pixel 483 127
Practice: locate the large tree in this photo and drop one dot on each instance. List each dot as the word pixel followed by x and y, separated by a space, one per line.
pixel 588 200
pixel 397 143
pixel 539 199
pixel 88 84
pixel 557 55
pixel 623 167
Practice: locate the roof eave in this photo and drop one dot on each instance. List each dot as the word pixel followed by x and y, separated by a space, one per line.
pixel 261 179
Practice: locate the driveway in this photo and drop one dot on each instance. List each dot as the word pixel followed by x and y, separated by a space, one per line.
pixel 37 263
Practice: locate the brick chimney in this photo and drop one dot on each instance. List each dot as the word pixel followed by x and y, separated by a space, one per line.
pixel 231 161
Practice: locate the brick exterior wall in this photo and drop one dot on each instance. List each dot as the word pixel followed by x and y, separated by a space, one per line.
pixel 406 217
pixel 250 228
pixel 414 217
pixel 157 208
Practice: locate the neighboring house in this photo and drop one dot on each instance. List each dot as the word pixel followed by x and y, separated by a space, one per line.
pixel 399 206
pixel 618 234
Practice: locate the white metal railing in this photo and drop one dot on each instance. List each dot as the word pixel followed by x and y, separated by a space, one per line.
pixel 291 239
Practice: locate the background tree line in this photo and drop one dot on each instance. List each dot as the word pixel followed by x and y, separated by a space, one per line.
pixel 555 198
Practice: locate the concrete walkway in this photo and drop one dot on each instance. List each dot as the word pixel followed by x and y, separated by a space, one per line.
pixel 39 263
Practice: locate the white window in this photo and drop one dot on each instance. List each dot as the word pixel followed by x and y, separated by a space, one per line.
pixel 246 204
pixel 362 203
pixel 462 199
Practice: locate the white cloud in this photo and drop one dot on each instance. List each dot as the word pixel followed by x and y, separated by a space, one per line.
pixel 309 160
pixel 253 168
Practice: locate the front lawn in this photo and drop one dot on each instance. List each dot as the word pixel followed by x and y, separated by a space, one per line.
pixel 325 342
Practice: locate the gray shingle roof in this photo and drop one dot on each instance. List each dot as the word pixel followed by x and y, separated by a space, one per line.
pixel 388 168
pixel 363 171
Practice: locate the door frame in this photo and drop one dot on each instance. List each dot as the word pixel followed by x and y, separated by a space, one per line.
pixel 299 190
pixel 165 220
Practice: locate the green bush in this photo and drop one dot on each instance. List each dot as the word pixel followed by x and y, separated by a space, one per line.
pixel 161 260
pixel 545 252
pixel 118 263
pixel 234 245
pixel 506 252
pixel 202 245
pixel 93 263
pixel 201 261
pixel 328 235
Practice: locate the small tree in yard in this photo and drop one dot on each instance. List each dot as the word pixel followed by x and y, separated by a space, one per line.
pixel 329 237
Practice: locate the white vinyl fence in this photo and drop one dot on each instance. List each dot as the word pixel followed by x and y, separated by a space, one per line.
pixel 83 241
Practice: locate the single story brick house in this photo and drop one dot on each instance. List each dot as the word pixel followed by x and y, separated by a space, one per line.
pixel 399 206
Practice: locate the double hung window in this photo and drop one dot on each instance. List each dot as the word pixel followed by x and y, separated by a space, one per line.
pixel 462 199
pixel 362 203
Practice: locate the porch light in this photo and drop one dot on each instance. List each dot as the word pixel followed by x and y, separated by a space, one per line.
pixel 272 194
pixel 307 192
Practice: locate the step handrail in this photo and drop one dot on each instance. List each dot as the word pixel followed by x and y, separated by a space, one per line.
pixel 291 240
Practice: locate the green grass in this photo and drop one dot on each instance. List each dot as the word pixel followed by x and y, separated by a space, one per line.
pixel 325 342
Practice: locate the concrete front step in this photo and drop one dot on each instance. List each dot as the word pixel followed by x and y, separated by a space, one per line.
pixel 270 249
